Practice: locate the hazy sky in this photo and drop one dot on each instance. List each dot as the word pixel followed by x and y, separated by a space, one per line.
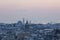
pixel 38 11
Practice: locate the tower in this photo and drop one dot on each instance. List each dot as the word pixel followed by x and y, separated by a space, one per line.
pixel 23 21
pixel 30 22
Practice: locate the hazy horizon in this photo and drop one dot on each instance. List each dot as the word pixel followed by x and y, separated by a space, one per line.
pixel 38 11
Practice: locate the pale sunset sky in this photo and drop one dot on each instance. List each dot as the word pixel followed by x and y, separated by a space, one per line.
pixel 38 11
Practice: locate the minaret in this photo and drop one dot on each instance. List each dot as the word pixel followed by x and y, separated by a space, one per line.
pixel 23 21
pixel 30 21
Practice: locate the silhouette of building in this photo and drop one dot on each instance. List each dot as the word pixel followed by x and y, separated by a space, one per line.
pixel 27 26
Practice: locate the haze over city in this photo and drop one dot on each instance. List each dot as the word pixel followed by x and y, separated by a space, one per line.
pixel 38 11
pixel 29 19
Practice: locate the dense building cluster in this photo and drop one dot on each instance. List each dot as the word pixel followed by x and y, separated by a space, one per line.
pixel 29 31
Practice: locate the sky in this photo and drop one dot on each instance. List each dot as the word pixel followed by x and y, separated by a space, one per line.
pixel 38 11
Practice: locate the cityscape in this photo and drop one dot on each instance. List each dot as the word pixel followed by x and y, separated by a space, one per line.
pixel 29 19
pixel 25 30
